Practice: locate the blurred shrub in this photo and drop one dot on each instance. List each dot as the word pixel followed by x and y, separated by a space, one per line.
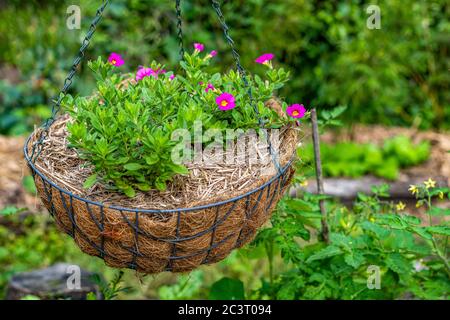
pixel 397 75
pixel 349 159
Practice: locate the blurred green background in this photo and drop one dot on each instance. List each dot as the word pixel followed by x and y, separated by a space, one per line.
pixel 397 75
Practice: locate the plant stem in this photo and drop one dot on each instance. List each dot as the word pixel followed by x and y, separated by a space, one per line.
pixel 433 240
pixel 269 250
pixel 319 175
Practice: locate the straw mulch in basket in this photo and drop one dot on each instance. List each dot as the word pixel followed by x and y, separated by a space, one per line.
pixel 151 242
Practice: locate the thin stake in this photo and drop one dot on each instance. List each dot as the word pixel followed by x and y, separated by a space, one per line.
pixel 319 176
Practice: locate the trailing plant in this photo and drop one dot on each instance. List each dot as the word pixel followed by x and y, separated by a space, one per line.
pixel 127 129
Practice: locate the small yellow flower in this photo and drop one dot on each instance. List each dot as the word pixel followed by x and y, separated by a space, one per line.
pixel 304 183
pixel 400 206
pixel 418 204
pixel 441 195
pixel 413 189
pixel 430 183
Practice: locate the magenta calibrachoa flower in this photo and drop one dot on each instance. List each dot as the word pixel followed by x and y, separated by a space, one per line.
pixel 115 59
pixel 144 72
pixel 209 87
pixel 212 54
pixel 296 111
pixel 226 101
pixel 199 47
pixel 265 59
pixel 172 77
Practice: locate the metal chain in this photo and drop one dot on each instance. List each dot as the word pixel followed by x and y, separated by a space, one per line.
pixel 236 56
pixel 38 145
pixel 179 28
pixel 241 70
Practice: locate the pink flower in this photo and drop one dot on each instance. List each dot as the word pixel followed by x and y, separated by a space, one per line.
pixel 296 111
pixel 199 47
pixel 226 101
pixel 115 59
pixel 209 87
pixel 144 72
pixel 212 54
pixel 265 58
pixel 172 77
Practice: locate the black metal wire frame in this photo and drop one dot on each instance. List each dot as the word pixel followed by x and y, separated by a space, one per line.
pixel 272 187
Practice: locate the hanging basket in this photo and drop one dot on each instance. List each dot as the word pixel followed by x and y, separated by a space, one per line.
pixel 151 239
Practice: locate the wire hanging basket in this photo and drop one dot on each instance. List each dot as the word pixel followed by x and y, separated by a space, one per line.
pixel 156 240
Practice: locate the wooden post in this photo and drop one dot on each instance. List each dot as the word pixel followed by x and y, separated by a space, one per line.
pixel 319 175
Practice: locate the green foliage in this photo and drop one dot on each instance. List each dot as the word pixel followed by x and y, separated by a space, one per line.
pixel 109 290
pixel 28 184
pixel 227 289
pixel 411 257
pixel 11 210
pixel 30 297
pixel 22 249
pixel 350 159
pixel 126 131
pixel 289 260
pixel 395 75
pixel 187 287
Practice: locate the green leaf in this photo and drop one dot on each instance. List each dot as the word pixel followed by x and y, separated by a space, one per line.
pixel 299 204
pixel 90 181
pixel 423 232
pixel 336 112
pixel 378 230
pixel 160 185
pixel 91 296
pixel 133 166
pixel 441 230
pixel 151 159
pixel 398 263
pixel 227 289
pixel 180 169
pixel 327 252
pixel 143 186
pixel 28 184
pixel 129 192
pixel 30 297
pixel 354 259
pixel 10 210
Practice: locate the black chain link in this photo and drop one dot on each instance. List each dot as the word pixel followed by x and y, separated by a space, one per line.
pixel 241 70
pixel 179 28
pixel 37 146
